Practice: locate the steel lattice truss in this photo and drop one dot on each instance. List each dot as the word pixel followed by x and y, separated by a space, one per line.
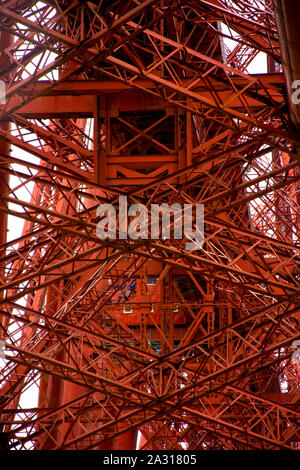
pixel 147 99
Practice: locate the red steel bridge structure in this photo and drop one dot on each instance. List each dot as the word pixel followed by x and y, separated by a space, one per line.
pixel 142 344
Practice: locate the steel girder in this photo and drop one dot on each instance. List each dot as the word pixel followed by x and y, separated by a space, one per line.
pixel 148 100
